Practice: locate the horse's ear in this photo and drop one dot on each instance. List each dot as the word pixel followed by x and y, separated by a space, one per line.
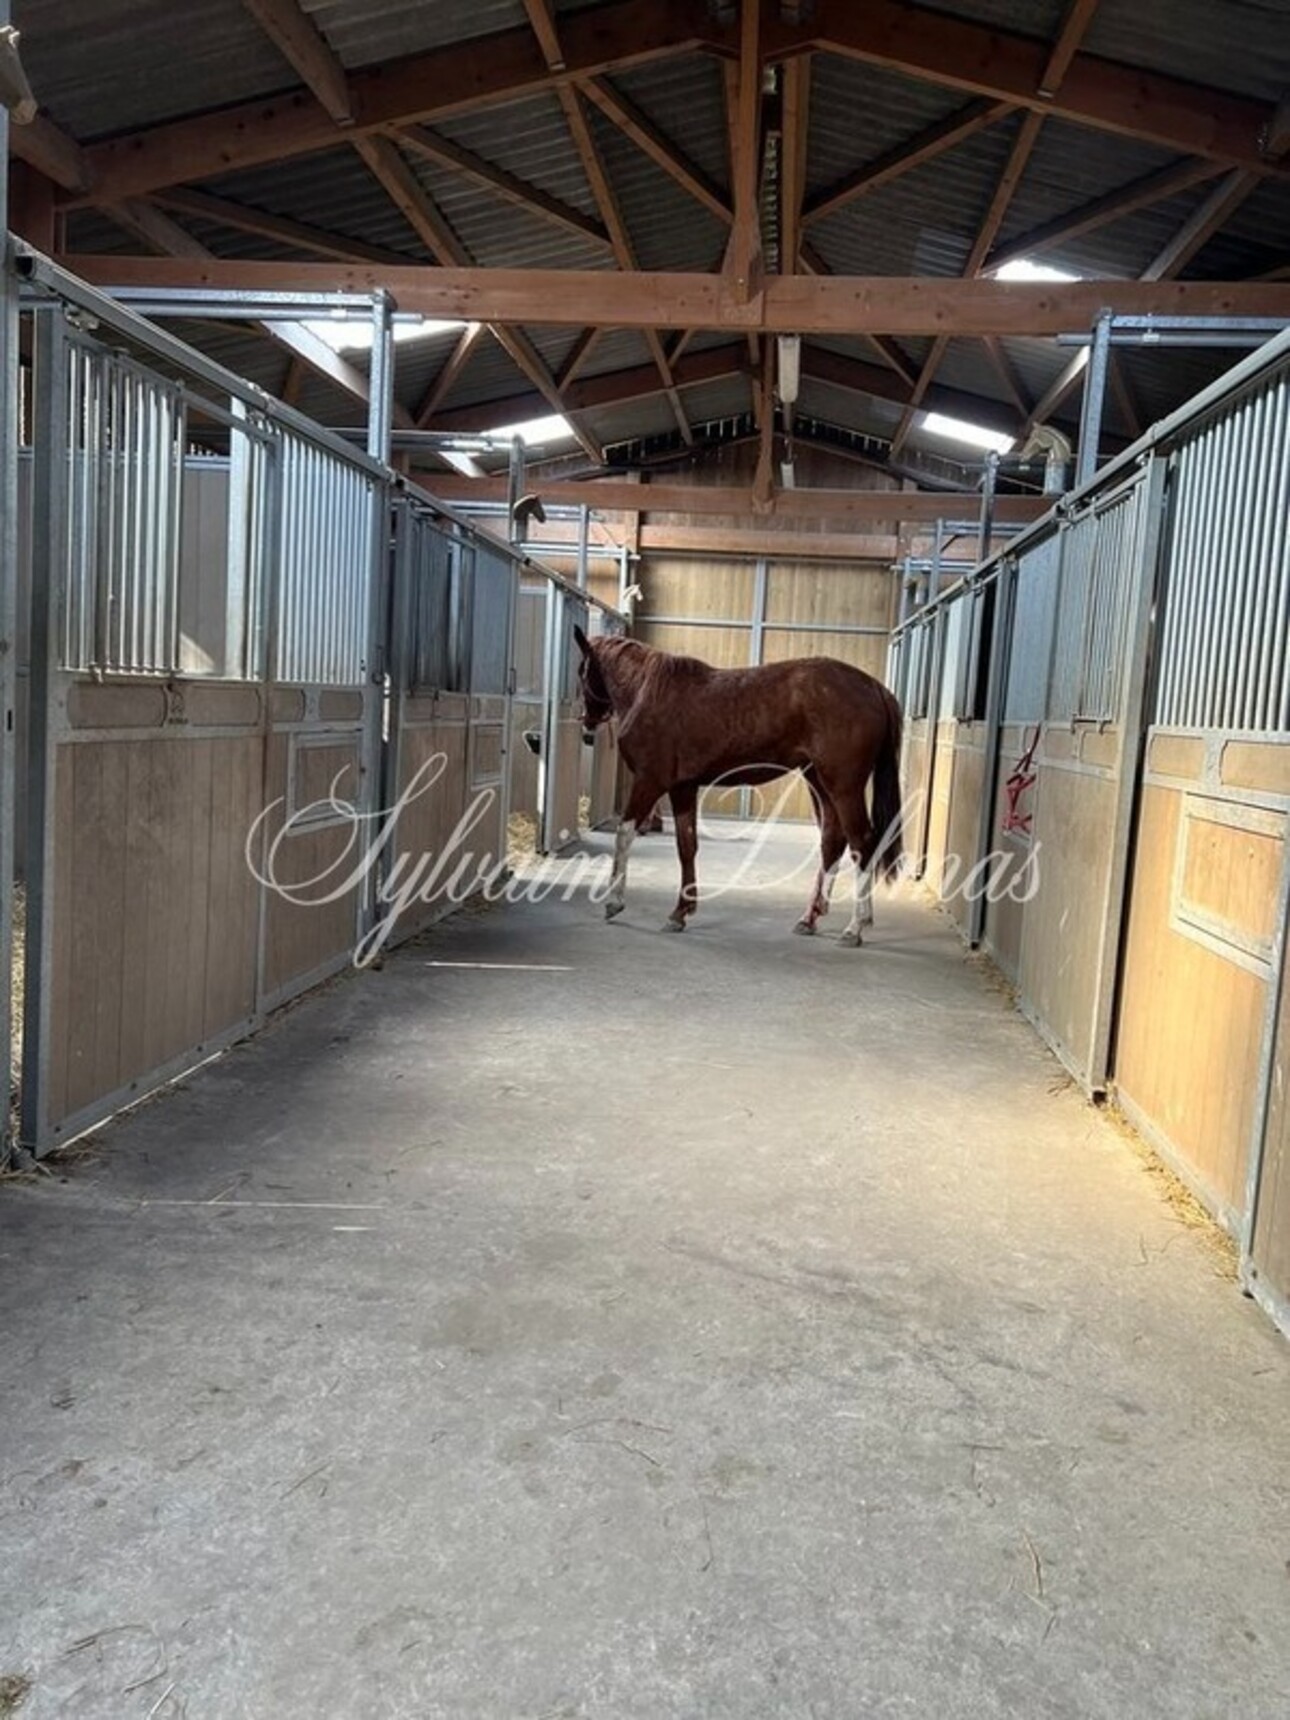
pixel 584 644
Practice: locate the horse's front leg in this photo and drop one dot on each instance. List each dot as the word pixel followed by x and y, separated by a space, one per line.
pixel 685 812
pixel 640 803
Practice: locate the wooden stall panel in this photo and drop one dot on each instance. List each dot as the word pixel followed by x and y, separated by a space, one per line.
pixel 1270 1244
pixel 963 828
pixel 1059 971
pixel 318 856
pixel 916 786
pixel 154 909
pixel 705 589
pixel 1191 1016
pixel 432 752
pixel 831 594
pixel 1010 839
pixel 723 647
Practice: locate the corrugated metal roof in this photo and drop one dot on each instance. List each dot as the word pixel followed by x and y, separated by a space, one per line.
pixel 894 109
pixel 616 349
pixel 1242 45
pixel 332 189
pixel 668 228
pixel 924 222
pixel 1040 18
pixel 103 66
pixel 529 138
pixel 685 98
pixel 365 32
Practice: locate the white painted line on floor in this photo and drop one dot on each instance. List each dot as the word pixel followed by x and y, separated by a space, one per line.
pixel 292 1205
pixel 504 967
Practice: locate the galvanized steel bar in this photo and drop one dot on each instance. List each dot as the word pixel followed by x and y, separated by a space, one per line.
pixel 1090 431
pixel 49 562
pixel 10 433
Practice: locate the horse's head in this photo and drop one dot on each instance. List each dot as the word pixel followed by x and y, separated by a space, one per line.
pixel 597 707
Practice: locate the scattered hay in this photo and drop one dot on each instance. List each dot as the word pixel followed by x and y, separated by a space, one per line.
pixel 1182 1203
pixel 15 1687
pixel 521 837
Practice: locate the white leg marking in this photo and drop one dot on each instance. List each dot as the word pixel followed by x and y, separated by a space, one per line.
pixel 616 900
pixel 862 908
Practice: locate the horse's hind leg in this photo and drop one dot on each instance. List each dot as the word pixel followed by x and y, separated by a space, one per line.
pixel 832 845
pixel 684 812
pixel 640 803
pixel 862 840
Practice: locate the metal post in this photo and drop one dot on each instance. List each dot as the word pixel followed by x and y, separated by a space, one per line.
pixel 989 483
pixel 514 488
pixel 1005 598
pixel 9 434
pixel 584 533
pixel 1090 423
pixel 48 580
pixel 380 403
pixel 934 575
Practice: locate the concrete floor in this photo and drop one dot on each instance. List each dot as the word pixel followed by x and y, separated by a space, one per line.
pixel 725 1325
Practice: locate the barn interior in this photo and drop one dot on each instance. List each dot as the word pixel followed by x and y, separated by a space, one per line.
pixel 487 1309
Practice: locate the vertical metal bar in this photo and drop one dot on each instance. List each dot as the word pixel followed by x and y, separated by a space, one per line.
pixel 989 483
pixel 514 488
pixel 1090 430
pixel 546 771
pixel 1274 681
pixel 380 400
pixel 1270 550
pixel 1129 758
pixel 1005 606
pixel 10 431
pixel 584 533
pixel 1252 568
pixel 49 573
pixel 1277 982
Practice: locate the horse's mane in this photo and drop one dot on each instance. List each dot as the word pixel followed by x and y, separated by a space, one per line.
pixel 646 665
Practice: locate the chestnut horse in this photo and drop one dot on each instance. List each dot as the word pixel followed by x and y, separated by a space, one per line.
pixel 683 725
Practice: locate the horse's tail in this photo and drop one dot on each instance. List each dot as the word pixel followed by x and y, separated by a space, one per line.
pixel 887 818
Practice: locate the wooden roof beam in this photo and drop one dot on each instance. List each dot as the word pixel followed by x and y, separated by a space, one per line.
pixel 899 305
pixel 453 366
pixel 409 195
pixel 624 252
pixel 642 131
pixel 51 151
pixel 862 506
pixel 1003 66
pixel 1140 193
pixel 743 261
pixel 453 78
pixel 302 236
pixel 518 192
pixel 305 50
pixel 155 228
pixel 924 146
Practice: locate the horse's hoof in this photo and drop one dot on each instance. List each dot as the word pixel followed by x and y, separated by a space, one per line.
pixel 613 909
pixel 851 940
pixel 670 925
pixel 804 929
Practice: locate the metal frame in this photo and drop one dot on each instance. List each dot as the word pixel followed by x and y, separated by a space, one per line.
pixel 1275 1300
pixel 9 436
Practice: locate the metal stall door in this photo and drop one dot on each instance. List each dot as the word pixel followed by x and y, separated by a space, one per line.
pixel 1087 774
pixel 9 436
pixel 143 780
pixel 560 778
pixel 324 712
pixel 493 582
pixel 429 722
pixel 528 703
